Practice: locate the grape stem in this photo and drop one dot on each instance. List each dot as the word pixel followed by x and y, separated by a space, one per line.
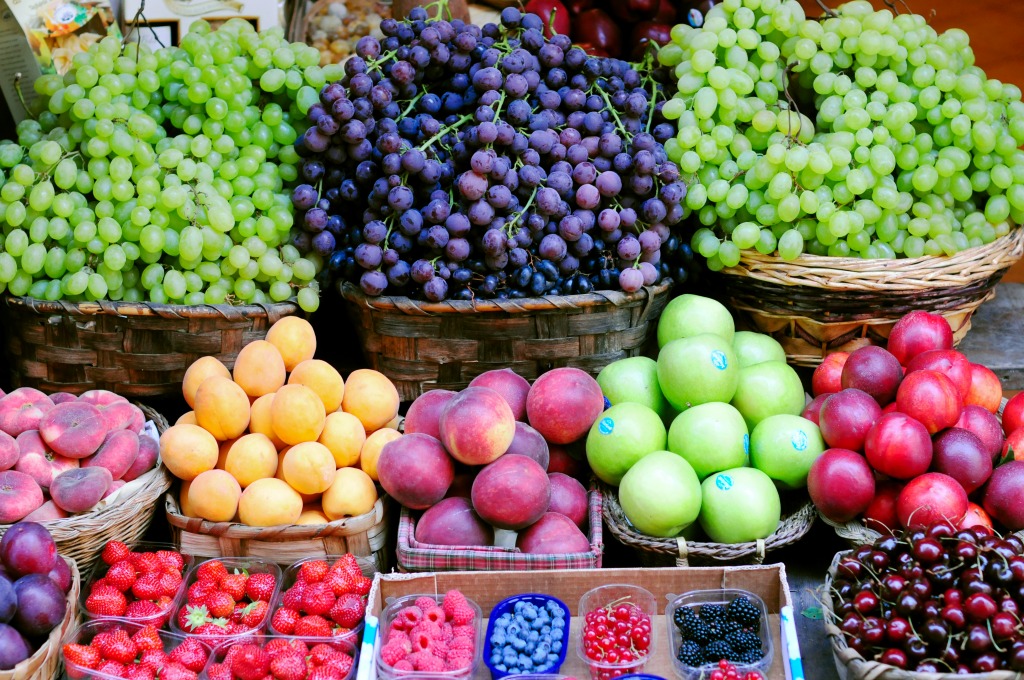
pixel 445 130
pixel 831 12
pixel 412 103
pixel 515 219
pixel 21 96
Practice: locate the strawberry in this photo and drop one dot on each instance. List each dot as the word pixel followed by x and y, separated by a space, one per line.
pixel 121 575
pixel 220 604
pixel 219 671
pixel 114 552
pixel 339 581
pixel 250 663
pixel 154 659
pixel 147 638
pixel 457 609
pixel 284 620
pixel 196 616
pixel 343 664
pixel 340 631
pixel 142 609
pixel 234 585
pixel 164 602
pixel 348 611
pixel 254 614
pixel 175 671
pixel 349 564
pixel 146 562
pixel 117 646
pixel 277 646
pixel 211 570
pixel 106 600
pixel 98 583
pixel 290 666
pixel 313 571
pixel 313 626
pixel 318 599
pixel 171 560
pixel 191 654
pixel 212 629
pixel 147 587
pixel 362 585
pixel 261 587
pixel 325 673
pixel 112 668
pixel 198 591
pixel 293 596
pixel 170 581
pixel 323 653
pixel 82 656
pixel 138 672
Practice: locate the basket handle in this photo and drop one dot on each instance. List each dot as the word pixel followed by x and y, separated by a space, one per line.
pixel 684 552
pixel 759 554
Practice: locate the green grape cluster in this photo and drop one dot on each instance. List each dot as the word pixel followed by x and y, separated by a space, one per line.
pixel 859 134
pixel 161 176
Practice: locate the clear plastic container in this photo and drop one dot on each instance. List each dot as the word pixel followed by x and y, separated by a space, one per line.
pixel 251 565
pixel 601 597
pixel 506 606
pixel 697 598
pixel 159 620
pixel 338 643
pixel 288 580
pixel 84 634
pixel 389 614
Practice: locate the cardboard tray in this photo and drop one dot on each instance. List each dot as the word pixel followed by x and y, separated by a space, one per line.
pixel 489 588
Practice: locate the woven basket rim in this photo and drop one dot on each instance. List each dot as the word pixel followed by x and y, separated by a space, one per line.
pixel 272 310
pixel 407 305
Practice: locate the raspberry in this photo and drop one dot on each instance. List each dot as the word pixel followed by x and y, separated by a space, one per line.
pixel 425 603
pixel 428 628
pixel 440 649
pixel 403 665
pixel 434 613
pixel 409 617
pixel 404 642
pixel 426 663
pixel 392 654
pixel 464 631
pixel 397 635
pixel 447 633
pixel 422 642
pixel 456 660
pixel 461 644
pixel 456 608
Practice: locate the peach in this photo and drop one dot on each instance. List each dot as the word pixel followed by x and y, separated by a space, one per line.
pixel 297 414
pixel 251 457
pixel 986 391
pixel 563 460
pixel 201 369
pixel 512 387
pixel 38 461
pixel 344 436
pixel 308 467
pixel 117 453
pixel 222 408
pixel 553 534
pixel 187 418
pixel 19 496
pixel 312 514
pixel 213 495
pixel 60 398
pixel 269 502
pixel 425 413
pixel 9 452
pixel 260 421
pixel 120 415
pixel 513 492
pixel 47 512
pixel 528 442
pixel 323 379
pixel 259 369
pixel 188 450
pixel 149 450
pixel 453 522
pixel 370 453
pixel 371 397
pixel 22 410
pixel 416 470
pixel 563 404
pixel 100 397
pixel 462 485
pixel 569 498
pixel 294 338
pixel 73 429
pixel 351 494
pixel 115 486
pixel 79 489
pixel 477 426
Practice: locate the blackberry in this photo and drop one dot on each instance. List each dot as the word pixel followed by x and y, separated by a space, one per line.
pixel 712 612
pixel 731 627
pixel 751 656
pixel 684 615
pixel 744 642
pixel 690 653
pixel 716 651
pixel 743 610
pixel 696 630
pixel 715 630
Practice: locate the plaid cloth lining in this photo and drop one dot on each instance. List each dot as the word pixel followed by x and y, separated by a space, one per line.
pixel 416 556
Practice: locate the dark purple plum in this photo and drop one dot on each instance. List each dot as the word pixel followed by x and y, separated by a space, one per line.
pixel 41 605
pixel 13 648
pixel 8 600
pixel 61 574
pixel 27 548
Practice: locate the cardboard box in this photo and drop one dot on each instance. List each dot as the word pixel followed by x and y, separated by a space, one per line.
pixel 489 588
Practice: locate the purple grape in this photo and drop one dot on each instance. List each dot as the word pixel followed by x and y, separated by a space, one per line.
pixel 609 183
pixel 13 647
pixel 315 141
pixel 368 256
pixel 649 241
pixel 390 257
pixel 552 247
pixel 436 289
pixel 631 280
pixel 373 282
pixel 570 228
pixel 398 274
pixel 323 243
pixel 457 249
pixel 588 197
pixel 628 248
pixel 304 197
pixel 422 270
pixel 400 198
pixel 472 186
pixel 481 162
pixel 315 220
pixel 628 217
pixel 437 236
pixel 547 201
pixel 608 220
pixel 481 213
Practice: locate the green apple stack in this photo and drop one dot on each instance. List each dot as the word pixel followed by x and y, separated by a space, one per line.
pixel 734 438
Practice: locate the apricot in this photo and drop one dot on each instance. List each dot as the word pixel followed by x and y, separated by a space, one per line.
pixel 269 502
pixel 323 379
pixel 343 435
pixel 353 493
pixel 251 457
pixel 371 397
pixel 222 408
pixel 294 338
pixel 312 514
pixel 213 495
pixel 371 450
pixel 259 369
pixel 308 467
pixel 187 418
pixel 297 414
pixel 188 450
pixel 183 503
pixel 260 421
pixel 201 369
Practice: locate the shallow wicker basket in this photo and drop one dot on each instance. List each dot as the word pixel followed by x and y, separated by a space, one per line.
pixel 422 346
pixel 364 536
pixel 817 305
pixel 45 663
pixel 83 536
pixel 136 349
pixel 661 552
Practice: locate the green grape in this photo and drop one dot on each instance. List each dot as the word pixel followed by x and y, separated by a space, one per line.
pixel 308 299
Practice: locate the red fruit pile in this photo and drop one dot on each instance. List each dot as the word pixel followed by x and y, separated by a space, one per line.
pixel 619 633
pixel 135 654
pixel 283 659
pixel 324 601
pixel 222 602
pixel 140 586
pixel 727 671
pixel 431 638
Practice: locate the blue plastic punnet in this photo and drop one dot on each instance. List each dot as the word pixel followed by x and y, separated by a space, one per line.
pixel 506 606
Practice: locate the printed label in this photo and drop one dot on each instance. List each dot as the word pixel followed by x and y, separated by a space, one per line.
pixel 606 426
pixel 723 482
pixel 607 404
pixel 719 360
pixel 799 440
pixel 746 445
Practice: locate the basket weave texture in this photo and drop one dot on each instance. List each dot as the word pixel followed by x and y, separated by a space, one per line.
pixel 46 662
pixel 83 536
pixel 422 346
pixel 817 305
pixel 365 536
pixel 682 553
pixel 136 349
pixel 415 556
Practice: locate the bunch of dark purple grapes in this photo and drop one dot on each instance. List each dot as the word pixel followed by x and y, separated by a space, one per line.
pixel 458 161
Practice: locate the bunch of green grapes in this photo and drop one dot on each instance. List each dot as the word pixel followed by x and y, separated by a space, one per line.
pixel 161 176
pixel 859 134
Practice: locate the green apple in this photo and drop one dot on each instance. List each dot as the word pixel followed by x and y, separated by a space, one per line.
pixel 690 315
pixel 711 437
pixel 634 379
pixel 784 447
pixel 698 370
pixel 755 348
pixel 739 506
pixel 768 389
pixel 660 494
pixel 621 436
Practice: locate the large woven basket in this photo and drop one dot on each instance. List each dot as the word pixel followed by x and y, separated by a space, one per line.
pixel 364 536
pixel 415 556
pixel 818 305
pixel 136 349
pixel 126 519
pixel 45 663
pixel 422 346
pixel 661 552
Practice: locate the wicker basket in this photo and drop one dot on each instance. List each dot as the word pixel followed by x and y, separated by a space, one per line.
pixel 83 536
pixel 817 305
pixel 364 536
pixel 424 345
pixel 661 552
pixel 136 349
pixel 415 556
pixel 45 663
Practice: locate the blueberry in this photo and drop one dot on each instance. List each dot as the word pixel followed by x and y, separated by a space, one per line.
pixel 545 630
pixel 552 658
pixel 558 624
pixel 557 633
pixel 556 646
pixel 519 644
pixel 498 639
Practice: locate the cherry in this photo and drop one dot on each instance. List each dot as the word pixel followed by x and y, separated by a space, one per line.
pixel 981 531
pixel 921 587
pixel 915 648
pixel 927 667
pixel 912 571
pixel 850 568
pixel 963 669
pixel 856 643
pixel 865 602
pixel 1006 550
pixel 934 631
pixel 1009 605
pixel 866 587
pixel 930 609
pixel 879 560
pixel 897 630
pixel 916 535
pixel 990 541
pixel 941 578
pixel 967 552
pixel 862 553
pixel 894 657
pixel 966 535
pixel 887 544
pixel 954 616
pixel 844 608
pixel 978 639
pixel 873 630
pixel 908 604
pixel 953 596
pixel 1017 568
pixel 845 590
pixel 928 551
pixel 1017 660
pixel 1004 626
pixel 979 607
pixel 985 663
pixel 977 588
pixel 1015 542
pixel 941 530
pixel 951 654
pixel 904 558
pixel 892 585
